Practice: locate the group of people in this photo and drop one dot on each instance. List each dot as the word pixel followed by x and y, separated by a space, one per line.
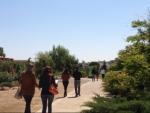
pixel 28 83
pixel 99 71
pixel 77 80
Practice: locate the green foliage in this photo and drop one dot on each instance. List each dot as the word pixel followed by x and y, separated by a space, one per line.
pixel 42 60
pixel 9 80
pixel 5 77
pixel 89 68
pixel 135 58
pixel 57 74
pixel 10 72
pixel 84 71
pixel 6 84
pixel 119 105
pixel 58 58
pixel 128 77
pixel 116 65
pixel 147 53
pixel 19 66
pixel 62 58
pixel 6 66
pixel 95 64
pixel 119 83
pixel 12 66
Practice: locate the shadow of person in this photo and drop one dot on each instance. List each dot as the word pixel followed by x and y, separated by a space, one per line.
pixel 59 98
pixel 72 97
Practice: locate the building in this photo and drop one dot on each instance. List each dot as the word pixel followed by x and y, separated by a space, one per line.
pixel 5 59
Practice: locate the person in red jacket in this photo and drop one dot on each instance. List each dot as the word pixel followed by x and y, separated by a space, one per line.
pixel 65 79
pixel 28 83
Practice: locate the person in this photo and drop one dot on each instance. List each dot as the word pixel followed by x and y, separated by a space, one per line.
pixel 46 80
pixel 103 73
pixel 93 74
pixel 65 79
pixel 97 73
pixel 77 81
pixel 103 69
pixel 28 83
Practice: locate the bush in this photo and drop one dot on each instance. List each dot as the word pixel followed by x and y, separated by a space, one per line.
pixel 6 84
pixel 118 83
pixel 84 72
pixel 117 105
pixel 8 80
pixel 57 74
pixel 6 66
pixel 6 77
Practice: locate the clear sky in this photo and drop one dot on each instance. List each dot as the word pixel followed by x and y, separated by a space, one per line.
pixel 92 30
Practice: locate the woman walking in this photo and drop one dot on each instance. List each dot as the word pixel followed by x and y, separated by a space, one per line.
pixel 47 80
pixel 28 83
pixel 65 79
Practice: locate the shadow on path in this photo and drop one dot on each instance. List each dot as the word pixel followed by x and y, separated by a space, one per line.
pixel 59 98
pixel 72 97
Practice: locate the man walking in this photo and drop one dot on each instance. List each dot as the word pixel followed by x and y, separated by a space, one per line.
pixel 77 81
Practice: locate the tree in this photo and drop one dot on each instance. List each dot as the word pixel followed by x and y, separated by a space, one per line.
pixel 128 77
pixel 135 58
pixel 142 39
pixel 62 58
pixel 43 59
pixel 58 58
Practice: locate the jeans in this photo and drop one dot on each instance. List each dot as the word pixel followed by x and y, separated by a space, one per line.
pixel 65 83
pixel 93 77
pixel 47 99
pixel 28 100
pixel 77 87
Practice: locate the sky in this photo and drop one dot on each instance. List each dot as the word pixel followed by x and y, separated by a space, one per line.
pixel 92 30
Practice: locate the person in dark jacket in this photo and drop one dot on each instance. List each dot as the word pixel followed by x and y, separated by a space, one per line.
pixel 46 80
pixel 93 74
pixel 77 81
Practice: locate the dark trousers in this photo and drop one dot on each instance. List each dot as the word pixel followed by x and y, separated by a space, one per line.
pixel 28 100
pixel 77 87
pixel 65 83
pixel 103 76
pixel 47 99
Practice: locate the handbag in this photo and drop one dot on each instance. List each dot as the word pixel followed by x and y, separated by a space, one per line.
pixel 18 93
pixel 52 89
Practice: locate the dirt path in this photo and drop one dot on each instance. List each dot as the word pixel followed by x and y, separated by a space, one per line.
pixel 72 104
pixel 9 104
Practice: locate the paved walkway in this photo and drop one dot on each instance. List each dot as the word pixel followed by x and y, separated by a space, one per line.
pixel 72 104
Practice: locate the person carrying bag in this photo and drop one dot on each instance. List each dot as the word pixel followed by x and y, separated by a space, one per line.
pixel 28 84
pixel 18 94
pixel 53 89
pixel 49 89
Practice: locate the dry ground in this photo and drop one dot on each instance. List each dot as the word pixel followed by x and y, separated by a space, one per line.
pixel 9 104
